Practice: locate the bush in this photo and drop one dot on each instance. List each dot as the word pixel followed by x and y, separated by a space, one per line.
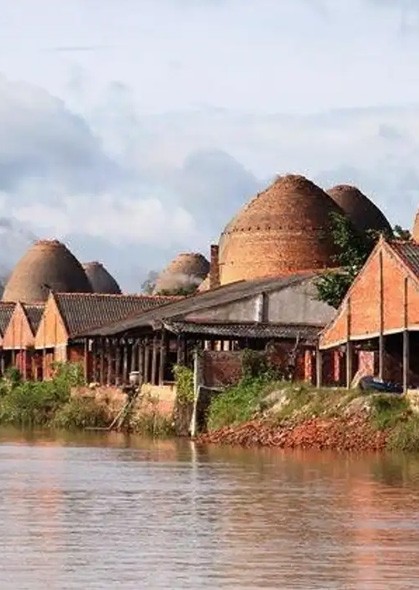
pixel 32 403
pixel 81 413
pixel 389 410
pixel 236 404
pixel 405 436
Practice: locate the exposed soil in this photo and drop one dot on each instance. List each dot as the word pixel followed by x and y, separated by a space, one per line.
pixel 341 434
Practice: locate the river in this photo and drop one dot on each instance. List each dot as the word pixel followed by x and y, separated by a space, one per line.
pixel 97 511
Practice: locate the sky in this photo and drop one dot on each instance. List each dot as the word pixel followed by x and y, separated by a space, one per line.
pixel 135 129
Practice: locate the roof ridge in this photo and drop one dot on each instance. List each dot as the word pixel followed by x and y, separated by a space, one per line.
pixel 117 295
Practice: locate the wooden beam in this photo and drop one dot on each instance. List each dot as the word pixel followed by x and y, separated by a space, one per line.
pixel 349 364
pixel 102 362
pixel 319 367
pixel 141 360
pixel 406 338
pixel 109 348
pixel 117 363
pixel 162 359
pixel 147 361
pixel 154 362
pixel 94 360
pixel 125 363
pixel 381 320
pixel 86 360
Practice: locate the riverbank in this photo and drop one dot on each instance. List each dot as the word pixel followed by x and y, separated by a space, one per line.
pixel 272 414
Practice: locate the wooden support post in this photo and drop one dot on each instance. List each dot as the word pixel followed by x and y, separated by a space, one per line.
pixel 2 363
pixel 141 360
pixel 406 339
pixel 86 360
pixel 162 359
pixel 118 363
pixel 381 327
pixel 179 349
pixel 125 363
pixel 94 360
pixel 348 345
pixel 154 362
pixel 349 364
pixel 102 362
pixel 147 361
pixel 319 367
pixel 133 356
pixel 406 360
pixel 109 351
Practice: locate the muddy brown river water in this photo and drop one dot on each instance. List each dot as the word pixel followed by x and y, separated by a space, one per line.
pixel 107 511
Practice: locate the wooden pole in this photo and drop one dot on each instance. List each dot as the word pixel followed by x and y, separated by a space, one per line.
pixel 319 367
pixel 117 363
pixel 109 361
pixel 381 330
pixel 348 345
pixel 406 339
pixel 94 360
pixel 102 362
pixel 86 360
pixel 179 349
pixel 162 359
pixel 141 360
pixel 154 362
pixel 125 363
pixel 147 361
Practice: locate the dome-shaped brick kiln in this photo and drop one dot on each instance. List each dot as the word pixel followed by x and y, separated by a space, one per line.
pixel 100 279
pixel 359 208
pixel 185 273
pixel 284 229
pixel 47 265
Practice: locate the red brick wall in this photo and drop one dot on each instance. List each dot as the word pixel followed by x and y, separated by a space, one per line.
pixel 365 300
pixel 220 368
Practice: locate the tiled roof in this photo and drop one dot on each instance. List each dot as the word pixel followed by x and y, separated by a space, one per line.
pixel 34 313
pixel 82 311
pixel 226 294
pixel 245 330
pixel 6 311
pixel 408 251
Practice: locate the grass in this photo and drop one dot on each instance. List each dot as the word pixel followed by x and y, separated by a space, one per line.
pixel 405 436
pixel 388 411
pixel 238 403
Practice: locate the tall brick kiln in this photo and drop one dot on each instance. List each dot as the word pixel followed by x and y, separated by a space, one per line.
pixel 47 265
pixel 282 230
pixel 186 271
pixel 100 279
pixel 362 212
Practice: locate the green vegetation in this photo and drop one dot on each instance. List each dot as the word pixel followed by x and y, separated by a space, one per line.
pixel 353 249
pixel 238 403
pixel 184 384
pixel 405 436
pixel 389 411
pixel 48 403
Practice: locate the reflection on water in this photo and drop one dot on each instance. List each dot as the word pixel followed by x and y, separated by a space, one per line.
pixel 109 511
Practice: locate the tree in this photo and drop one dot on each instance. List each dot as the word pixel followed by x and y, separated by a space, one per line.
pixel 353 249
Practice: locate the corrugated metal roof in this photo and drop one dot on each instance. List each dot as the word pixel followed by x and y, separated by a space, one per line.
pixel 245 330
pixel 82 311
pixel 225 294
pixel 34 313
pixel 408 251
pixel 6 311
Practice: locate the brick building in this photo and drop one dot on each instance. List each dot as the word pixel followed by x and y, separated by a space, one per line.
pixel 376 328
pixel 68 315
pixel 282 313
